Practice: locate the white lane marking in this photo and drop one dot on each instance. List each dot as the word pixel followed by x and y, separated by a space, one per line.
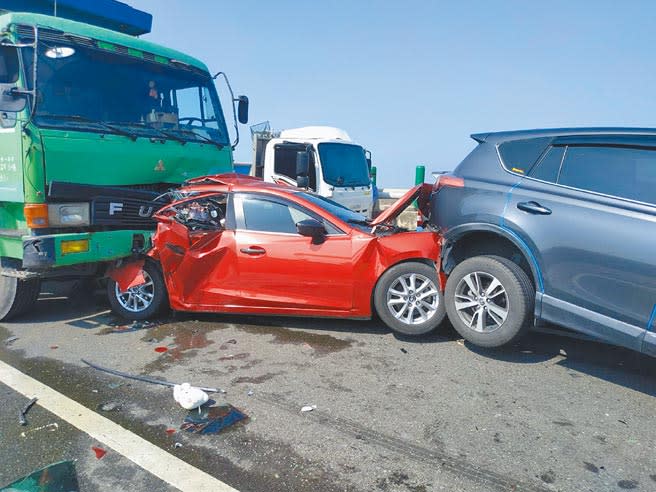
pixel 151 458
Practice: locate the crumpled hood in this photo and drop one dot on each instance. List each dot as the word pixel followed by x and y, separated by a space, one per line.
pixel 421 193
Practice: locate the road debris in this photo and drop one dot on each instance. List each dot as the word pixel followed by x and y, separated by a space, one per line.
pixel 52 478
pixel 170 431
pixel 177 445
pixel 48 427
pixel 161 350
pixel 145 379
pixel 212 420
pixel 404 350
pixel 21 414
pixel 100 452
pixel 188 396
pixel 250 392
pixel 10 340
pixel 308 408
pixel 108 407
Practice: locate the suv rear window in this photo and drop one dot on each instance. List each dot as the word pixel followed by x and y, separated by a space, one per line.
pixel 618 171
pixel 518 156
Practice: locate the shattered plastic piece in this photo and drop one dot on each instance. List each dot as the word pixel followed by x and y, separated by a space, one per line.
pixel 404 350
pixel 57 477
pixel 212 420
pixel 170 431
pixel 49 427
pixel 128 275
pixel 160 349
pixel 10 340
pixel 53 347
pixel 250 393
pixel 109 407
pixel 188 396
pixel 145 379
pixel 308 408
pixel 177 445
pixel 100 452
pixel 21 415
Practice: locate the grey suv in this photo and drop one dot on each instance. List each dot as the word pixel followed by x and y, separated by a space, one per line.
pixel 554 226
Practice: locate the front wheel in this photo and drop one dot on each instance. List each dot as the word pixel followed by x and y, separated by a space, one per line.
pixel 141 301
pixel 408 299
pixel 489 300
pixel 17 296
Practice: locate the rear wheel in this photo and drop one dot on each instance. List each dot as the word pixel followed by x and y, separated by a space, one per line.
pixel 141 301
pixel 408 300
pixel 17 296
pixel 489 300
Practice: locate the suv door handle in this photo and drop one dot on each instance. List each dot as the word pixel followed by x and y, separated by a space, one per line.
pixel 253 250
pixel 533 208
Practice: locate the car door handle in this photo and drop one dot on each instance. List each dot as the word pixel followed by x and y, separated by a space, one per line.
pixel 253 250
pixel 533 208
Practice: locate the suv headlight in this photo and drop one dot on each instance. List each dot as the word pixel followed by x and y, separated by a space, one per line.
pixel 68 214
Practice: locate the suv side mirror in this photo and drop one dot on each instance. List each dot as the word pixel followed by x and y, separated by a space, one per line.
pixel 12 99
pixel 242 109
pixel 312 228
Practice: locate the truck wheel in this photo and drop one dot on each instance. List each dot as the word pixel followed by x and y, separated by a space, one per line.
pixel 17 296
pixel 408 300
pixel 142 301
pixel 489 300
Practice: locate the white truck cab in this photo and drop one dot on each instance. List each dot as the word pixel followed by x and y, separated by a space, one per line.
pixel 338 167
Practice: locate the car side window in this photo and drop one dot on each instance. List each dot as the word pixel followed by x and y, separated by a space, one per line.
pixel 518 156
pixel 623 172
pixel 549 166
pixel 261 214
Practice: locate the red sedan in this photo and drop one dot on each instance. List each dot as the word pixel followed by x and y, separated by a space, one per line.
pixel 234 244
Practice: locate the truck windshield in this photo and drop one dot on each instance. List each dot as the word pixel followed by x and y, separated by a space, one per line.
pixel 343 164
pixel 78 85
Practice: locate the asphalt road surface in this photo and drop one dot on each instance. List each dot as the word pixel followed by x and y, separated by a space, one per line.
pixel 410 415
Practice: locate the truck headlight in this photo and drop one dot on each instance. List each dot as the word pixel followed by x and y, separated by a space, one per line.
pixel 68 214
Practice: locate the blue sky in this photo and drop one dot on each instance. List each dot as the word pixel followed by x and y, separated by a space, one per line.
pixel 412 80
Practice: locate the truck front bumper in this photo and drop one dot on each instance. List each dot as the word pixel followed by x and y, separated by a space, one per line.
pixel 51 251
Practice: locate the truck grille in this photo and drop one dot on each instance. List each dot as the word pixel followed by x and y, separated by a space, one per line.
pixel 124 213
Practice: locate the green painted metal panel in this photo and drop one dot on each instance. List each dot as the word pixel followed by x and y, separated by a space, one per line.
pixel 11 166
pixel 11 247
pixel 94 158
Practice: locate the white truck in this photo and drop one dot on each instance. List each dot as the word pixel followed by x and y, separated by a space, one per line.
pixel 321 158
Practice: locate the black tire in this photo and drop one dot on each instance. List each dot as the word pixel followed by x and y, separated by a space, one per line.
pixel 519 302
pixel 141 311
pixel 17 296
pixel 433 310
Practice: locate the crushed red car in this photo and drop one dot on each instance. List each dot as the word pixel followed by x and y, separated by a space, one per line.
pixel 235 244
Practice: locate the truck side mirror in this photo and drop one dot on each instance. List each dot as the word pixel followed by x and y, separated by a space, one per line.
pixel 367 156
pixel 11 99
pixel 302 168
pixel 242 109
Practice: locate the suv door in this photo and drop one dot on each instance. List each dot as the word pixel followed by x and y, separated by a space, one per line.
pixel 587 210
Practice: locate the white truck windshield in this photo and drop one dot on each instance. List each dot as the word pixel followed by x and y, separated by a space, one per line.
pixel 343 164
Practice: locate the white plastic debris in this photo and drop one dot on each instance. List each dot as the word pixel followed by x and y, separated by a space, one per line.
pixel 308 408
pixel 188 396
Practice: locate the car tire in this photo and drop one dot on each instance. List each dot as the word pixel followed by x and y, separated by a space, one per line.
pixel 489 315
pixel 17 296
pixel 394 298
pixel 143 301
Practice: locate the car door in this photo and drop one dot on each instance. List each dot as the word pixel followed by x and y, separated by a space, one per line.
pixel 587 210
pixel 198 260
pixel 283 271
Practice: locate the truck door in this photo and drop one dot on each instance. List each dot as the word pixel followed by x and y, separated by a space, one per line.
pixel 284 161
pixel 588 209
pixel 195 241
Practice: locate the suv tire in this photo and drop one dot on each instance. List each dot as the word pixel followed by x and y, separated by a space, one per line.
pixel 489 300
pixel 404 313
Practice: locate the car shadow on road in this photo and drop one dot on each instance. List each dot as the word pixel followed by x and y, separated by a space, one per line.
pixel 580 356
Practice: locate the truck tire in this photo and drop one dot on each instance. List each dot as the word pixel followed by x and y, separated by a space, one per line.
pixel 489 300
pixel 407 299
pixel 143 301
pixel 17 296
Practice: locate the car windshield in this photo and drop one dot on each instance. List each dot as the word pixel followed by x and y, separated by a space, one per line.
pixel 79 86
pixel 343 164
pixel 349 216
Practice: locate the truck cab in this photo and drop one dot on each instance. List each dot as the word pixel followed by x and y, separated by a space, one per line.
pixel 338 169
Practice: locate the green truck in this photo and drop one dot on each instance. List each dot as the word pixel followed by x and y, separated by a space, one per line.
pixel 95 124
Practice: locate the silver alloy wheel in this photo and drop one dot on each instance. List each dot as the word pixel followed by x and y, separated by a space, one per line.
pixel 139 298
pixel 413 298
pixel 481 302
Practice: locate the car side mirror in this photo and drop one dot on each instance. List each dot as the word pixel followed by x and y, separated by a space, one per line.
pixel 312 228
pixel 12 99
pixel 242 109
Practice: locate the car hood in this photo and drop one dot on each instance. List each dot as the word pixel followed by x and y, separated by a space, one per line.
pixel 421 193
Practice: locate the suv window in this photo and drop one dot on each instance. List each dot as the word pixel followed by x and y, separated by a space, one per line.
pixel 618 171
pixel 518 156
pixel 547 169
